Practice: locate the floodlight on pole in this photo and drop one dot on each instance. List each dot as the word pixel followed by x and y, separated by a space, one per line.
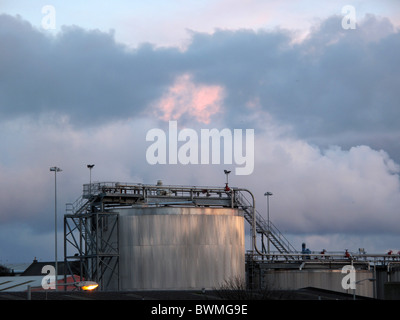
pixel 55 170
pixel 90 166
pixel 87 285
pixel 83 285
pixel 268 194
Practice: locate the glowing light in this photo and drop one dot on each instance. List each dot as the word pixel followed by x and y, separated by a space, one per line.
pixel 90 287
pixel 87 285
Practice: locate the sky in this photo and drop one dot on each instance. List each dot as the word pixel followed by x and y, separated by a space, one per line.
pixel 316 82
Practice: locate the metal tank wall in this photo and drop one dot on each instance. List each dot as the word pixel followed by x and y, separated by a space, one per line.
pixel 386 275
pixel 319 278
pixel 180 248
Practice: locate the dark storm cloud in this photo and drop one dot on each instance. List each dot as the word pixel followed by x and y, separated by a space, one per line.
pixel 334 81
pixel 336 86
pixel 83 74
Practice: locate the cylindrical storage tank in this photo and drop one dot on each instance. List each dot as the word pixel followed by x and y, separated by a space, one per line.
pixel 180 248
pixel 328 279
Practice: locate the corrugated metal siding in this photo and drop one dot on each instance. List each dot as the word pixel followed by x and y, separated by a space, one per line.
pixel 180 248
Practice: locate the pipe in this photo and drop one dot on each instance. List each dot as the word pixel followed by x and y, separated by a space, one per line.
pixel 390 263
pixel 254 236
pixel 388 269
pixel 333 262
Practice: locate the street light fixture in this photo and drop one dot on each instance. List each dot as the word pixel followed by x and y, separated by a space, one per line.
pixel 268 194
pixel 227 172
pixel 55 170
pixel 87 285
pixel 90 166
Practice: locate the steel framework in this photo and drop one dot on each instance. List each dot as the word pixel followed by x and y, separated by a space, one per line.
pixel 91 224
pixel 89 234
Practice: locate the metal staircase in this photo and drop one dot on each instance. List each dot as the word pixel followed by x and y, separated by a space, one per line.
pixel 80 206
pixel 269 230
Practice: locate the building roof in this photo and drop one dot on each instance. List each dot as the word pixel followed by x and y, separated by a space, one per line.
pixel 19 283
pixel 33 276
pixel 36 267
pixel 22 283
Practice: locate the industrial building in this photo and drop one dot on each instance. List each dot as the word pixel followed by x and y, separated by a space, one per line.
pixel 133 236
pixel 151 237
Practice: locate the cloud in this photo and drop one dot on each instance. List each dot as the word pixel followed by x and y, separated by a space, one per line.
pixel 31 148
pixel 21 243
pixel 317 193
pixel 82 74
pixel 334 82
pixel 324 112
pixel 328 191
pixel 187 98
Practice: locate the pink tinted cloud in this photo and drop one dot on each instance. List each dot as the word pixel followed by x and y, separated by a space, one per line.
pixel 185 97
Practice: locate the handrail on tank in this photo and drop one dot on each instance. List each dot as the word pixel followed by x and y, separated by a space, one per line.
pixel 254 226
pixel 329 257
pixel 236 198
pixel 148 190
pixel 254 235
pixel 272 229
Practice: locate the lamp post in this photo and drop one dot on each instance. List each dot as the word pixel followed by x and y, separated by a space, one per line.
pixel 55 170
pixel 90 166
pixel 227 172
pixel 268 194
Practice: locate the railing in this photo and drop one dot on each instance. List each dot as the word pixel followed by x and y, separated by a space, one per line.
pixel 268 229
pixel 330 257
pixel 77 206
pixel 151 190
pixel 159 194
pixel 227 197
pixel 193 195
